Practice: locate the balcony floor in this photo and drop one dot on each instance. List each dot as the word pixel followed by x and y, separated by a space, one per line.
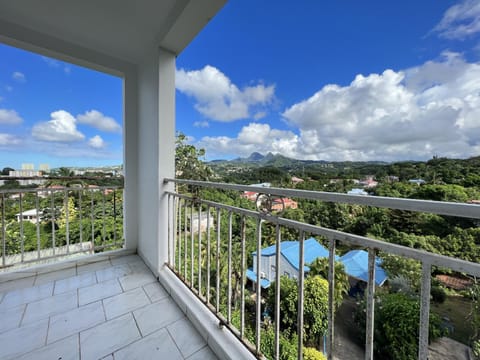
pixel 111 309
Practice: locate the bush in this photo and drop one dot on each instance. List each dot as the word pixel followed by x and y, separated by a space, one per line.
pixel 438 294
pixel 313 354
pixel 396 326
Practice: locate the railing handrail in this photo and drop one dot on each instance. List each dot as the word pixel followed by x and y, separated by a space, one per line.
pixel 58 188
pixel 435 207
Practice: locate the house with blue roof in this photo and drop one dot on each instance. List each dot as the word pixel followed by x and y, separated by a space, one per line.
pixel 289 260
pixel 356 267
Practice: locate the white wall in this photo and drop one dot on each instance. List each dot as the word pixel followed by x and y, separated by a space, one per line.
pixel 156 153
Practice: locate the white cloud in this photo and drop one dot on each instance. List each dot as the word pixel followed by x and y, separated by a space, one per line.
pixel 201 124
pixel 19 77
pixel 431 109
pixel 460 21
pixel 99 121
pixel 218 98
pixel 62 127
pixel 57 64
pixel 7 140
pixel 9 117
pixel 96 142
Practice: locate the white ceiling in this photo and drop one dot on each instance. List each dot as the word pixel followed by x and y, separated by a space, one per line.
pixel 123 29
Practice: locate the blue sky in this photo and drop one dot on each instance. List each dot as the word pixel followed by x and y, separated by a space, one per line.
pixel 322 80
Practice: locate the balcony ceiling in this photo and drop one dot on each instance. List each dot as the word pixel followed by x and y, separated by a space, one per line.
pixel 123 29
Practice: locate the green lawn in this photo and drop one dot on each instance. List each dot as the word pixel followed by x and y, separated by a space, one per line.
pixel 456 308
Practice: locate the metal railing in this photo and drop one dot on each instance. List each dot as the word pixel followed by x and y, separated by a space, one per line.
pixel 197 261
pixel 57 222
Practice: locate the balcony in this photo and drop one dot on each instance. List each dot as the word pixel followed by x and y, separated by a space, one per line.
pixel 62 303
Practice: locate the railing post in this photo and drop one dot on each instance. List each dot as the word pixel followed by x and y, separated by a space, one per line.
pixel 301 274
pixel 331 299
pixel 258 296
pixel 424 311
pixel 370 315
pixel 277 291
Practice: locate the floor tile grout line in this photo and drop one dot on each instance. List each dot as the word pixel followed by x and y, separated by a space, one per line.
pixel 173 339
pixel 201 349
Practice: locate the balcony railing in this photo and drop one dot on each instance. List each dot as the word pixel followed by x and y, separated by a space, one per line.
pixel 43 224
pixel 202 237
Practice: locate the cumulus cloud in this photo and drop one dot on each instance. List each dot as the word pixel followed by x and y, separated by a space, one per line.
pixel 99 121
pixel 8 140
pixel 201 124
pixel 9 117
pixel 218 98
pixel 57 64
pixel 253 137
pixel 460 21
pixel 96 142
pixel 19 77
pixel 62 127
pixel 431 109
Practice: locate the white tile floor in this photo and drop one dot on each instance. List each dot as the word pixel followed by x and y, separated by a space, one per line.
pixel 113 309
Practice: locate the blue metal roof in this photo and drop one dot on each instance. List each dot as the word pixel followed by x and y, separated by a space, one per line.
pixel 252 275
pixel 269 251
pixel 290 250
pixel 356 265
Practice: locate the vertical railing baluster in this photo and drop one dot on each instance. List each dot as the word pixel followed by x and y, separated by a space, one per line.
pixel 258 297
pixel 331 299
pixel 80 215
pixel 278 250
pixel 424 310
pixel 22 245
pixel 301 268
pixel 200 249
pixel 229 269
pixel 208 256
pixel 169 230
pixel 115 217
pixel 92 220
pixel 4 231
pixel 242 287
pixel 370 315
pixel 192 247
pixel 185 240
pixel 53 221
pixel 179 236
pixel 67 222
pixel 37 205
pixel 104 231
pixel 217 294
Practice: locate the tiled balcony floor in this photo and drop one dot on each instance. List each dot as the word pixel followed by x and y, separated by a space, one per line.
pixel 112 309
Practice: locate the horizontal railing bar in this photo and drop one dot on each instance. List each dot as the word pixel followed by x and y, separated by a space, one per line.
pixel 420 255
pixel 59 189
pixel 434 207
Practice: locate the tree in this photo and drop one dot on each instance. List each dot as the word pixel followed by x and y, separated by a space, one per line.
pixel 6 171
pixel 320 267
pixel 315 314
pixel 187 161
pixel 396 326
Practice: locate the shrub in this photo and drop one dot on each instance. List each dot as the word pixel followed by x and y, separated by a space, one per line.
pixel 313 354
pixel 396 326
pixel 438 294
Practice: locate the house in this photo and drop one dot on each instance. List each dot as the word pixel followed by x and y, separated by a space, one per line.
pixel 357 191
pixel 279 204
pixel 201 221
pixel 356 267
pixel 297 180
pixel 28 215
pixel 289 261
pixel 417 181
pixel 252 195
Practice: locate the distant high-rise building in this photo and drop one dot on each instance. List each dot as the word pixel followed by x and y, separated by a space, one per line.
pixel 28 166
pixel 44 167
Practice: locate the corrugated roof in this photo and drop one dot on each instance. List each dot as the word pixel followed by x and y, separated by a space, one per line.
pixel 356 265
pixel 252 275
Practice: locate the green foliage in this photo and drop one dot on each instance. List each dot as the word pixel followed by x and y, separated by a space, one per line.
pixel 288 345
pixel 438 294
pixel 474 317
pixel 315 306
pixel 320 267
pixel 187 161
pixel 396 326
pixel 400 267
pixel 313 354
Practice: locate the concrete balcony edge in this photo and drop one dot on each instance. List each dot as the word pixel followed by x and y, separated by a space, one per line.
pixel 220 340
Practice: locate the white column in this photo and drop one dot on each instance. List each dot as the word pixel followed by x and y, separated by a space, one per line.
pixel 156 153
